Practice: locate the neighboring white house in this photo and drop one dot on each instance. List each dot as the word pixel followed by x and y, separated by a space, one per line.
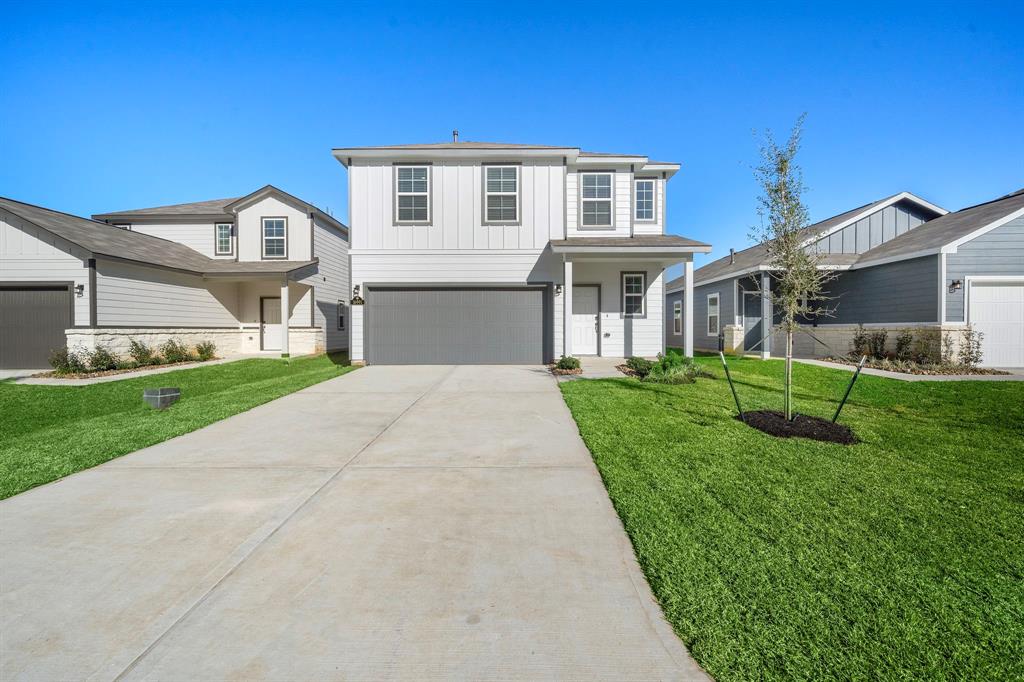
pixel 228 270
pixel 469 252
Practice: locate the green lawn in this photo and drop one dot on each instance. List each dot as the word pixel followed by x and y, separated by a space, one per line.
pixel 47 432
pixel 901 557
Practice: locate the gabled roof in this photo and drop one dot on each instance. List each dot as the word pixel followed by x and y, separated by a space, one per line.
pixel 756 257
pixel 217 208
pixel 948 231
pixel 103 240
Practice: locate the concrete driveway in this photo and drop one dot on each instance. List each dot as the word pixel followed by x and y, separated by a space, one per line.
pixel 395 523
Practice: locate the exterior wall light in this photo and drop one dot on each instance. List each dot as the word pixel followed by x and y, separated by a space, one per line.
pixel 956 285
pixel 558 290
pixel 79 290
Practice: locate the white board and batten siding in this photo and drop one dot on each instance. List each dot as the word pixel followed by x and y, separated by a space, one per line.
pixel 30 254
pixel 456 206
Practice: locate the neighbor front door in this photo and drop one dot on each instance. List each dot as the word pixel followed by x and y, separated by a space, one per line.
pixel 584 320
pixel 270 324
pixel 753 330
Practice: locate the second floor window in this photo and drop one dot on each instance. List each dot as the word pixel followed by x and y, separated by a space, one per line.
pixel 222 235
pixel 274 231
pixel 412 194
pixel 502 192
pixel 645 200
pixel 596 203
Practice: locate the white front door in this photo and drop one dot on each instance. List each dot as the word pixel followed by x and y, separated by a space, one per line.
pixel 270 324
pixel 996 309
pixel 584 320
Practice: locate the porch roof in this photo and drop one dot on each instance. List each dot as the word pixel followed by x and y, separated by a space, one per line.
pixel 662 244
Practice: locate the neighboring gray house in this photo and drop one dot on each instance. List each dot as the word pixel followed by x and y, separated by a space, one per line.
pixel 905 263
pixel 239 272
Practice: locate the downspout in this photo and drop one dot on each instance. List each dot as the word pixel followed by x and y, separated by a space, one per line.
pixel 92 293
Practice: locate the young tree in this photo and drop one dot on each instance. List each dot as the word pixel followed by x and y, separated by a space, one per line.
pixel 798 283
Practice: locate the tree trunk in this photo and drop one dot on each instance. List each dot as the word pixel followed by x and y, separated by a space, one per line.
pixel 789 375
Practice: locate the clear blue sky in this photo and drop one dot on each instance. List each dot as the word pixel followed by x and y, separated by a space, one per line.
pixel 109 107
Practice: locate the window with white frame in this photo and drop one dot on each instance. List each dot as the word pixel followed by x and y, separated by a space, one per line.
pixel 596 199
pixel 274 235
pixel 634 286
pixel 502 189
pixel 713 315
pixel 341 316
pixel 644 199
pixel 412 194
pixel 222 239
pixel 677 317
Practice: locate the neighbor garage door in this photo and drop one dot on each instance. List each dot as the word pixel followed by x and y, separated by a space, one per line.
pixel 32 323
pixel 455 326
pixel 997 311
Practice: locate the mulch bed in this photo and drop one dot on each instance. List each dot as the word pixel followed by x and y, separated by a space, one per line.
pixel 565 372
pixel 802 426
pixel 627 371
pixel 906 367
pixel 110 372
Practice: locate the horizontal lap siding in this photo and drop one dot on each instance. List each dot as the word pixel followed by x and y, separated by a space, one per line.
pixel 904 291
pixel 726 306
pixel 999 252
pixel 30 254
pixel 196 236
pixel 135 296
pixel 619 336
pixel 331 284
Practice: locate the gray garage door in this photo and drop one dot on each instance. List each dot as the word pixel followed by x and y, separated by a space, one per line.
pixel 455 326
pixel 32 323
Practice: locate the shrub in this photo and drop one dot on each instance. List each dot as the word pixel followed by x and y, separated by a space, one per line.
pixel 101 359
pixel 175 351
pixel 206 350
pixel 946 349
pixel 675 369
pixel 141 353
pixel 640 366
pixel 927 347
pixel 903 345
pixel 568 362
pixel 970 354
pixel 860 345
pixel 876 343
pixel 66 361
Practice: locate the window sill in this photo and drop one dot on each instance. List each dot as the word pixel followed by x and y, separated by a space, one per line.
pixel 412 223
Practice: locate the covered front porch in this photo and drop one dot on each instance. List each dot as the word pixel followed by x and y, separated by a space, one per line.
pixel 613 292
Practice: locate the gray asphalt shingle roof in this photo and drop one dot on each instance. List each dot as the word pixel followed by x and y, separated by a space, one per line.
pixel 946 229
pixel 757 255
pixel 468 144
pixel 636 241
pixel 210 207
pixel 101 239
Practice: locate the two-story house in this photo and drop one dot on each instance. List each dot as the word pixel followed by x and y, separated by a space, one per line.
pixel 486 253
pixel 264 272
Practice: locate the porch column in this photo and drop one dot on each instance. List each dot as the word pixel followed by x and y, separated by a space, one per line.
pixel 285 307
pixel 567 307
pixel 766 316
pixel 688 307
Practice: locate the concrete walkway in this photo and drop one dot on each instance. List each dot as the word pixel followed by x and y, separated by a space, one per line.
pixel 420 523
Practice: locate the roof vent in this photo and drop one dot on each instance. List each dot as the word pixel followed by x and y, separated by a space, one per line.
pixel 455 135
pixel 732 256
